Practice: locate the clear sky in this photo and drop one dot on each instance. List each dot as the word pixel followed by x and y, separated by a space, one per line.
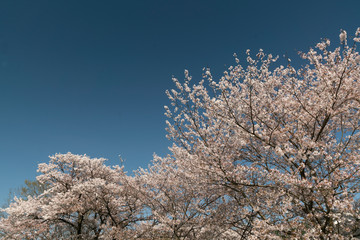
pixel 89 77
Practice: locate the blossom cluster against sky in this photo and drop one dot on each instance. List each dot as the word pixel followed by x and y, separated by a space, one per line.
pixel 89 77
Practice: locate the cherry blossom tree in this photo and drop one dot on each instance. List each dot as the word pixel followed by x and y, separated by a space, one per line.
pixel 282 143
pixel 84 200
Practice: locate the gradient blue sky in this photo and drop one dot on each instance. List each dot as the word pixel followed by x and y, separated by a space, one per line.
pixel 89 76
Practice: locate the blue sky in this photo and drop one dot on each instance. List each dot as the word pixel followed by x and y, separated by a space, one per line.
pixel 89 77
